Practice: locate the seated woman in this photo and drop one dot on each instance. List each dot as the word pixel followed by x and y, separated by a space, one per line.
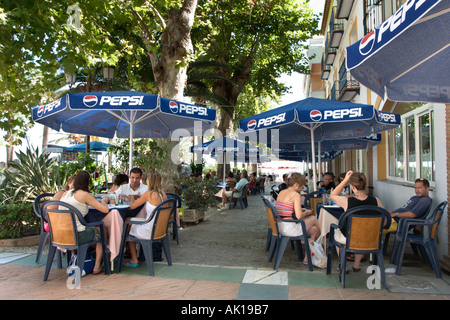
pixel 68 186
pixel 80 198
pixel 118 181
pixel 358 184
pixel 252 185
pixel 289 206
pixel 230 182
pixel 152 198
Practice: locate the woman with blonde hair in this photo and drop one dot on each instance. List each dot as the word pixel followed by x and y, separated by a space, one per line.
pixel 289 206
pixel 152 198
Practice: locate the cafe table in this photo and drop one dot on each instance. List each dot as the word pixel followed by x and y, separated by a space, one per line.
pixel 113 221
pixel 327 215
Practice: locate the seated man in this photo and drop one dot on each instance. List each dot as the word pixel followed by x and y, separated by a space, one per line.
pixel 133 190
pixel 416 207
pixel 328 182
pixel 237 190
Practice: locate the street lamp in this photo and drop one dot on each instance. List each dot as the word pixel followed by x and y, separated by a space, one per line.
pixel 108 73
pixel 70 77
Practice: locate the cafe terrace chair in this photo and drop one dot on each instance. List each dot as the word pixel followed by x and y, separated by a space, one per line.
pixel 242 198
pixel 426 240
pixel 64 233
pixel 260 185
pixel 271 223
pixel 312 199
pixel 363 236
pixel 37 206
pixel 173 218
pixel 161 214
pixel 279 242
pixel 387 236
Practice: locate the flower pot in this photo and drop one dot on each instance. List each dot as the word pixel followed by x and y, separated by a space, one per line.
pixel 193 215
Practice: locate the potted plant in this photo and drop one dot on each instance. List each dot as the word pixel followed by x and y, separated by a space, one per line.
pixel 197 197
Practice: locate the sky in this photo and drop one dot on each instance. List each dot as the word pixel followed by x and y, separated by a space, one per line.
pixel 296 93
pixel 296 79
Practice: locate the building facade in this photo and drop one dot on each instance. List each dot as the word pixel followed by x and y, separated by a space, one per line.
pixel 419 148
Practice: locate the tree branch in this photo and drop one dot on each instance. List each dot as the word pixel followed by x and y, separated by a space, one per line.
pixel 158 15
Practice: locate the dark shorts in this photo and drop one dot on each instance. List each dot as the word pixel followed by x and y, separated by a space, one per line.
pixel 88 235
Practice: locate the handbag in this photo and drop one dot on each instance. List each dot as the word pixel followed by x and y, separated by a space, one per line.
pixel 318 257
pixel 88 267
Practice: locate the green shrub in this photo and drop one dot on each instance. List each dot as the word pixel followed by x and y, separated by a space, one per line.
pixel 199 194
pixel 17 220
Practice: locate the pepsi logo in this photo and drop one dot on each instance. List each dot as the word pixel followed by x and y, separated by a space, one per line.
pixel 251 125
pixel 367 43
pixel 315 115
pixel 173 106
pixel 90 101
pixel 40 111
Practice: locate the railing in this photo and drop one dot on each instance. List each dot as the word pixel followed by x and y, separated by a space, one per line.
pixel 373 14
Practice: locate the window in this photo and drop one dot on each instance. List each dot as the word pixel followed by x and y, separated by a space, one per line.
pixel 395 142
pixel 411 146
pixel 426 146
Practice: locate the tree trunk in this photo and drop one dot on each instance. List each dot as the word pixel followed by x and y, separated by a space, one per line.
pixel 170 70
pixel 45 137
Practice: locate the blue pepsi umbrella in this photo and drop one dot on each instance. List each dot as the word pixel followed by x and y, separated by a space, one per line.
pixel 305 156
pixel 94 145
pixel 228 146
pixel 314 119
pixel 408 55
pixel 328 149
pixel 126 114
pixel 332 145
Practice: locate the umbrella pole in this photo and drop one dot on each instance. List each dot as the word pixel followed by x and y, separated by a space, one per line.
pixel 130 155
pixel 313 152
pixel 318 159
pixel 223 161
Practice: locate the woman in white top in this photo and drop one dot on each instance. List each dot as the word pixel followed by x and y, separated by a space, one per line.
pixel 81 199
pixel 152 198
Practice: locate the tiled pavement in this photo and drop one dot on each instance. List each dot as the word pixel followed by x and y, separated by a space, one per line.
pixel 22 279
pixel 229 279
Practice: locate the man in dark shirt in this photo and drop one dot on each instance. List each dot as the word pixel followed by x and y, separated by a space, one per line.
pixel 416 207
pixel 328 182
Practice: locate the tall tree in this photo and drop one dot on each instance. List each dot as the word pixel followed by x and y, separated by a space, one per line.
pixel 249 42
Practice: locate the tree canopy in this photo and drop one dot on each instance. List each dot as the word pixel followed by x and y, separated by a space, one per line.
pixel 214 50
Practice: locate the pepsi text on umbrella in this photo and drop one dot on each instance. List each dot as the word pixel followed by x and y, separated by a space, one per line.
pixel 279 118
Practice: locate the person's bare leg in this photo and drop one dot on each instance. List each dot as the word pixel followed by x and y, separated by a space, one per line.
pixel 98 257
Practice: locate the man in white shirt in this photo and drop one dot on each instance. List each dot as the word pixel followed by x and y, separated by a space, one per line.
pixel 134 189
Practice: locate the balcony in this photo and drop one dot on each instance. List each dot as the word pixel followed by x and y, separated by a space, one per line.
pixel 325 69
pixel 343 9
pixel 330 53
pixel 336 28
pixel 348 88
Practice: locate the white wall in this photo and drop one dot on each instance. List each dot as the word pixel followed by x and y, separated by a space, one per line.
pixel 393 194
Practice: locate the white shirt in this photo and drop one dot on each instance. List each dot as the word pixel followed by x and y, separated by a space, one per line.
pixel 128 191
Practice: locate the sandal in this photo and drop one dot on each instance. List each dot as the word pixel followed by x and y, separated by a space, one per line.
pixel 131 265
pixel 98 271
pixel 339 270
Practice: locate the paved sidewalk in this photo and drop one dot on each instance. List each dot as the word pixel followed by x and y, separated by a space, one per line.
pixel 221 258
